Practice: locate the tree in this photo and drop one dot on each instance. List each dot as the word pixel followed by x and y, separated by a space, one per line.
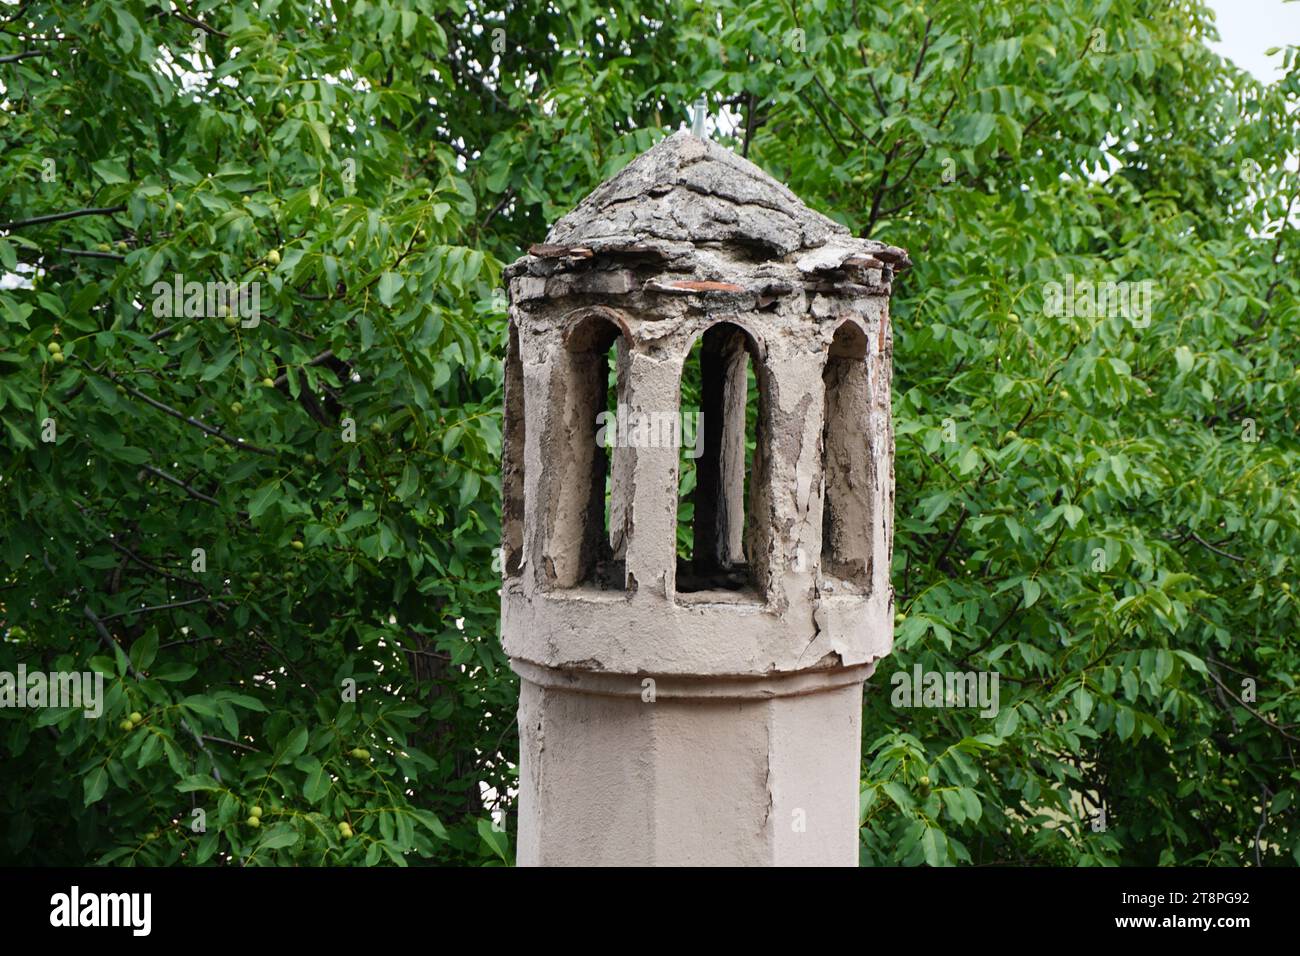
pixel 240 515
pixel 1100 508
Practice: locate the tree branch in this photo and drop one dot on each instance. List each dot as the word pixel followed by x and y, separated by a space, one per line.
pixel 1219 551
pixel 188 419
pixel 60 216
pixel 157 607
pixel 15 57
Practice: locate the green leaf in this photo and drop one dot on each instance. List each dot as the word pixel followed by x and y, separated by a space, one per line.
pixel 1124 723
pixel 200 704
pixel 318 781
pixel 900 795
pixel 409 483
pixel 263 498
pixel 198 782
pixel 281 836
pixel 291 746
pixel 110 171
pixel 144 650
pixel 1083 703
pixel 246 702
pixel 390 283
pixel 94 784
pixel 174 671
pixel 935 846
pixel 496 840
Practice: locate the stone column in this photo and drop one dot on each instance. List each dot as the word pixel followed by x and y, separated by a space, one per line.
pixel 705 708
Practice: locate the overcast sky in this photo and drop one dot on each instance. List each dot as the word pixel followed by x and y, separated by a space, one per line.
pixel 1249 27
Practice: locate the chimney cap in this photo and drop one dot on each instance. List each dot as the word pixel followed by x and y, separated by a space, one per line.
pixel 690 190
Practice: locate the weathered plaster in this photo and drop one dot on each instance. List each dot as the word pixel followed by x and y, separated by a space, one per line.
pixel 758 691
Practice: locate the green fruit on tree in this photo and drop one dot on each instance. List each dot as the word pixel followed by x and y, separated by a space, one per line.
pixel 54 347
pixel 103 247
pixel 273 257
pixel 178 207
pixel 309 459
pixel 125 725
pixel 253 822
pixel 269 382
pixel 360 753
pixel 57 357
pixel 231 321
pixel 237 408
pixel 136 716
pixel 345 831
pixel 254 811
pixel 296 545
pixel 281 109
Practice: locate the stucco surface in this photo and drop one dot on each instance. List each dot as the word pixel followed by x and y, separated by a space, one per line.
pixel 757 721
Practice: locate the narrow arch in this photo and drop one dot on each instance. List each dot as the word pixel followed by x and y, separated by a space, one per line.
pixel 512 460
pixel 723 492
pixel 847 463
pixel 588 517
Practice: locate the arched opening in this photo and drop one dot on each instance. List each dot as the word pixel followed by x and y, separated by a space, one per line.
pixel 589 468
pixel 512 460
pixel 723 525
pixel 848 466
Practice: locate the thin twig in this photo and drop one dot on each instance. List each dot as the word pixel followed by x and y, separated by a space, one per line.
pixel 60 216
pixel 1219 551
pixel 157 607
pixel 192 492
pixel 188 419
pixel 15 57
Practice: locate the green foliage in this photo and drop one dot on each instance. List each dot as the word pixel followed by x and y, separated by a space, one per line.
pixel 325 560
pixel 1076 507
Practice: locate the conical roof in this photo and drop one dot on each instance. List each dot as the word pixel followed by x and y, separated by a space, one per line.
pixel 686 189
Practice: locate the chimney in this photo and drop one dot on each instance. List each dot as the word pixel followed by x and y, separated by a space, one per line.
pixel 701 704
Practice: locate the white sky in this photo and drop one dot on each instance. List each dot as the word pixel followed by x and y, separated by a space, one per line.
pixel 1249 27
